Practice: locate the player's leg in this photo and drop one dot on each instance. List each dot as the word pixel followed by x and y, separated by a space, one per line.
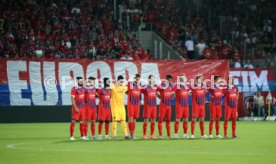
pixel 122 117
pixel 87 113
pixel 201 121
pixel 161 115
pixel 114 128
pixel 193 127
pixel 93 123
pixel 152 128
pixel 93 129
pixel 212 119
pixel 136 116
pixel 201 124
pixel 72 129
pixel 225 127
pixel 168 121
pixel 130 125
pixel 227 116
pixel 146 120
pixel 87 121
pixel 100 127
pixel 106 127
pixel 185 122
pixel 177 120
pixel 82 128
pixel 234 124
pixel 218 116
pixel 234 116
pixel 145 125
pixel 82 123
pixel 153 115
pixel 195 114
pixel 176 127
pixel 74 117
pixel 114 122
pixel 185 127
pixel 130 119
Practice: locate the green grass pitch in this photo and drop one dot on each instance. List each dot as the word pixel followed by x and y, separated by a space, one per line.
pixel 49 143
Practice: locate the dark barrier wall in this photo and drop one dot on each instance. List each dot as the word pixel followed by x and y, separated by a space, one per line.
pixel 28 114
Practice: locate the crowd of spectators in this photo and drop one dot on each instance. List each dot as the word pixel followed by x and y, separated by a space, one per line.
pixel 203 29
pixel 215 29
pixel 60 29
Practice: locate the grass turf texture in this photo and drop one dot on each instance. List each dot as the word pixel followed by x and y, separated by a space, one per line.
pixel 49 143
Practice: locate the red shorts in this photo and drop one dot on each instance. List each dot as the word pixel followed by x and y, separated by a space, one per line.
pixel 149 112
pixel 91 114
pixel 182 112
pixel 133 111
pixel 78 115
pixel 198 111
pixel 165 112
pixel 230 113
pixel 104 114
pixel 215 111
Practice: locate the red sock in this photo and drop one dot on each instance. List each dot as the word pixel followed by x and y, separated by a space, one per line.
pixel 211 127
pixel 152 126
pixel 82 129
pixel 85 129
pixel 100 126
pixel 72 128
pixel 201 124
pixel 133 127
pixel 93 129
pixel 145 128
pixel 106 126
pixel 225 127
pixel 168 127
pixel 130 128
pixel 185 127
pixel 234 128
pixel 176 127
pixel 193 127
pixel 217 127
pixel 160 121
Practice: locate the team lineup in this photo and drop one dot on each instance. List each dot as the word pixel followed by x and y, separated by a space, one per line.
pixel 111 106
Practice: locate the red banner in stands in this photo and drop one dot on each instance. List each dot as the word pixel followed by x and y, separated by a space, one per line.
pixel 111 68
pixel 48 82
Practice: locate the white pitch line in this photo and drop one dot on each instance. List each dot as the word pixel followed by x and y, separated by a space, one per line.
pixel 17 146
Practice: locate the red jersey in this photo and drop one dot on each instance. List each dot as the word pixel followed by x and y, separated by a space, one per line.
pixel 198 95
pixel 231 95
pixel 90 96
pixel 149 96
pixel 78 94
pixel 134 93
pixel 181 96
pixel 216 96
pixel 104 97
pixel 165 94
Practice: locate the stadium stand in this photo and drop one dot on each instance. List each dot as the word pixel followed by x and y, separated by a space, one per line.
pixel 86 29
pixel 65 29
pixel 217 31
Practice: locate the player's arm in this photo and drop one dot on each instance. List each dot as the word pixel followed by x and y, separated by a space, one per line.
pixel 85 96
pixel 174 90
pixel 128 87
pixel 238 94
pixel 73 93
pixel 158 90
